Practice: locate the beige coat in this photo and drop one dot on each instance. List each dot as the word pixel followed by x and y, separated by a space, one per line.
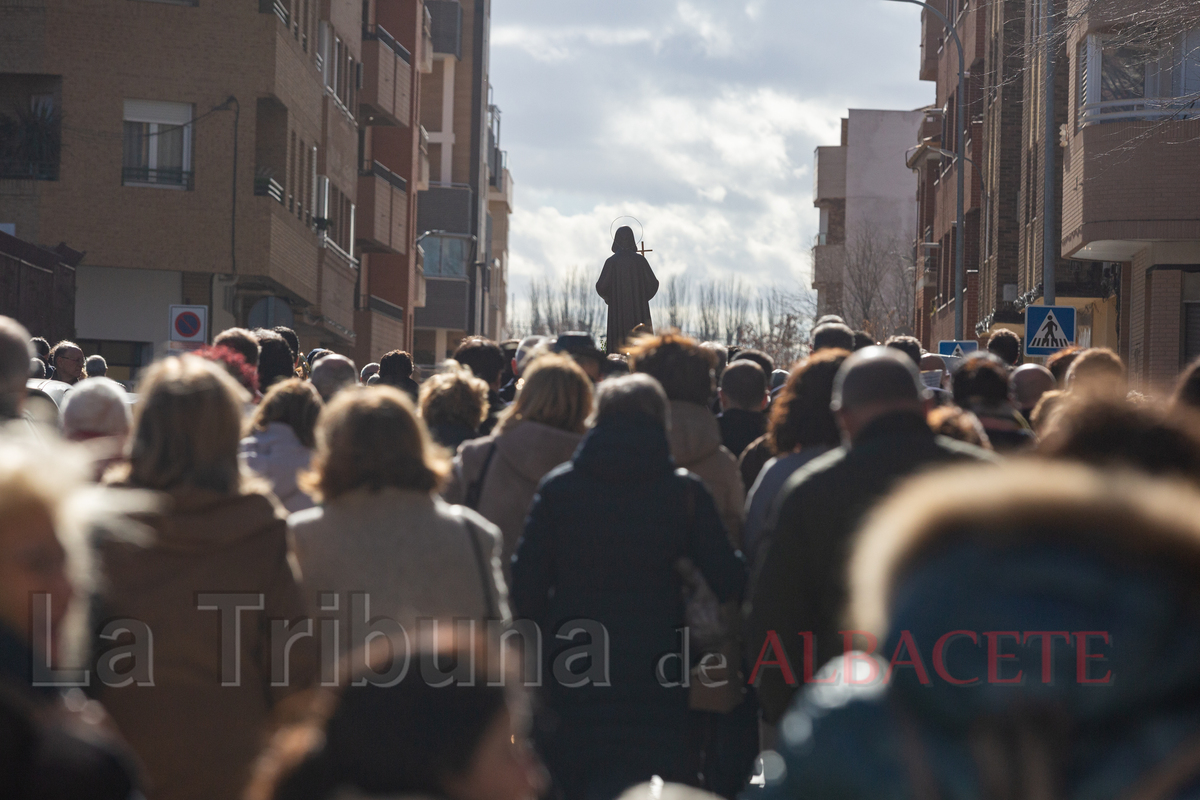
pixel 196 738
pixel 409 551
pixel 696 446
pixel 524 454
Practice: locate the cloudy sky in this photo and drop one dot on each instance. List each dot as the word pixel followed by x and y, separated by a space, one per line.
pixel 698 117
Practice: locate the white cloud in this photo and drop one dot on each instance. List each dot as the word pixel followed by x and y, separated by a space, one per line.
pixel 558 44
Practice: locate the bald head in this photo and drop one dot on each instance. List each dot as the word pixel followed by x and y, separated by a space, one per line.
pixel 1028 383
pixel 873 382
pixel 16 351
pixel 333 373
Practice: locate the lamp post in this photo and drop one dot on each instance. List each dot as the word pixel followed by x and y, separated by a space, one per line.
pixel 960 278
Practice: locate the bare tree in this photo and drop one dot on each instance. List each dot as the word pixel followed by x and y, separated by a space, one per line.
pixel 878 283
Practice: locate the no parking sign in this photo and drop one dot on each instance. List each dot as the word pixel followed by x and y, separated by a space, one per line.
pixel 189 324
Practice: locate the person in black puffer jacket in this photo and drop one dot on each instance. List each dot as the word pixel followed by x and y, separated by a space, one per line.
pixel 602 543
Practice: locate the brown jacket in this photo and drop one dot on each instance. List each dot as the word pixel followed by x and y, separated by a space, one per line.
pixel 524 454
pixel 696 446
pixel 196 738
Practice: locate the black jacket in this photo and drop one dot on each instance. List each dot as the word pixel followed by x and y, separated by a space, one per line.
pixel 604 535
pixel 740 428
pixel 800 582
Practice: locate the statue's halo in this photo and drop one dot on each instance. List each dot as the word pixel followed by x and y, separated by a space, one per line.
pixel 612 229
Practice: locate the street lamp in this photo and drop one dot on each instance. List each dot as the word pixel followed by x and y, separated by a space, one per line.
pixel 960 287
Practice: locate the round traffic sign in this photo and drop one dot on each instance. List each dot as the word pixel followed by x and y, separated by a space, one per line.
pixel 187 324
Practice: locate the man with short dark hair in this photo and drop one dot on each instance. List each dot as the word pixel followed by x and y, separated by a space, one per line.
pixel 396 369
pixel 1006 345
pixel 909 345
pixel 67 360
pixel 832 335
pixel 293 342
pixel 743 396
pixel 486 360
pixel 276 361
pixel 800 585
pixel 758 357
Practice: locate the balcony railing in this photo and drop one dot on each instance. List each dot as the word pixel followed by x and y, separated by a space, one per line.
pixel 1142 108
pixel 380 171
pixel 377 33
pixel 268 187
pixel 820 239
pixel 19 169
pixel 144 176
pixel 279 9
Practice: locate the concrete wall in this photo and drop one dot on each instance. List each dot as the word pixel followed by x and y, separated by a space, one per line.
pixel 880 188
pixel 125 305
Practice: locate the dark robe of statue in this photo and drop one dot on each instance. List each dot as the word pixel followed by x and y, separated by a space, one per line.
pixel 627 284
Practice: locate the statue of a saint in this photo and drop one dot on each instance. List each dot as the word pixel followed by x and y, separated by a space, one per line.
pixel 627 285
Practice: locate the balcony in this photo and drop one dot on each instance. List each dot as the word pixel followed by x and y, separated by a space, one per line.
pixel 167 178
pixel 423 167
pixel 266 186
pixel 386 95
pixel 829 174
pixel 1148 108
pixel 446 26
pixel 382 218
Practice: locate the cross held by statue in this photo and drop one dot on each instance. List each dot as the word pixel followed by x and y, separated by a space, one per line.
pixel 643 250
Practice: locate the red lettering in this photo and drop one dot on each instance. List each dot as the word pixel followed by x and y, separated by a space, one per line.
pixel 1082 656
pixel 914 661
pixel 1047 638
pixel 772 642
pixel 939 660
pixel 995 656
pixel 850 655
pixel 810 655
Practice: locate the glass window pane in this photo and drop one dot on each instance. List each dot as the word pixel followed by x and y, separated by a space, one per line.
pixel 136 145
pixel 170 148
pixel 1123 72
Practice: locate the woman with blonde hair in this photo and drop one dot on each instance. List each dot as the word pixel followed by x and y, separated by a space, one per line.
pixel 499 474
pixel 196 720
pixel 382 531
pixel 454 404
pixel 279 442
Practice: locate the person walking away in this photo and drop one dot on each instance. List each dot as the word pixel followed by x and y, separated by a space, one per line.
pixel 497 475
pixel 382 533
pixel 396 369
pixel 601 544
pixel 980 385
pixel 1056 552
pixel 799 583
pixel 486 360
pixel 802 427
pixel 279 439
pixel 743 396
pixel 197 723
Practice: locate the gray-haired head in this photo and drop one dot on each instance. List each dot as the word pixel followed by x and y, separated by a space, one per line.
pixel 1028 382
pixel 15 353
pixel 95 366
pixel 636 394
pixel 333 373
pixel 877 376
pixel 368 371
pixel 526 349
pixel 96 407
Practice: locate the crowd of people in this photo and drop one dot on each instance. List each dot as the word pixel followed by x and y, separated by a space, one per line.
pixel 541 571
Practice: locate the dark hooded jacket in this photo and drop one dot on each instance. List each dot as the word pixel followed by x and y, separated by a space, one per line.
pixel 604 536
pixel 627 285
pixel 1056 549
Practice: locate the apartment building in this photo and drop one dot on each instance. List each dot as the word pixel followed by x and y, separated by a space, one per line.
pixel 934 162
pixel 1130 124
pixel 469 195
pixel 862 252
pixel 397 51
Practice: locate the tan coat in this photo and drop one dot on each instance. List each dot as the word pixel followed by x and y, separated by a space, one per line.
pixel 411 552
pixel 196 738
pixel 524 454
pixel 696 446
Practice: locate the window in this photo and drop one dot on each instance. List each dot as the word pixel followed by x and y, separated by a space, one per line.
pixel 1191 316
pixel 446 256
pixel 1120 77
pixel 157 144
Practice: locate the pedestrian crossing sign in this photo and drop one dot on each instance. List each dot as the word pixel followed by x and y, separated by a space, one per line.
pixel 957 349
pixel 1048 329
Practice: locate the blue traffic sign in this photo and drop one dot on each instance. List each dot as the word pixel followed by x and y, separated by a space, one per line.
pixel 960 349
pixel 1048 329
